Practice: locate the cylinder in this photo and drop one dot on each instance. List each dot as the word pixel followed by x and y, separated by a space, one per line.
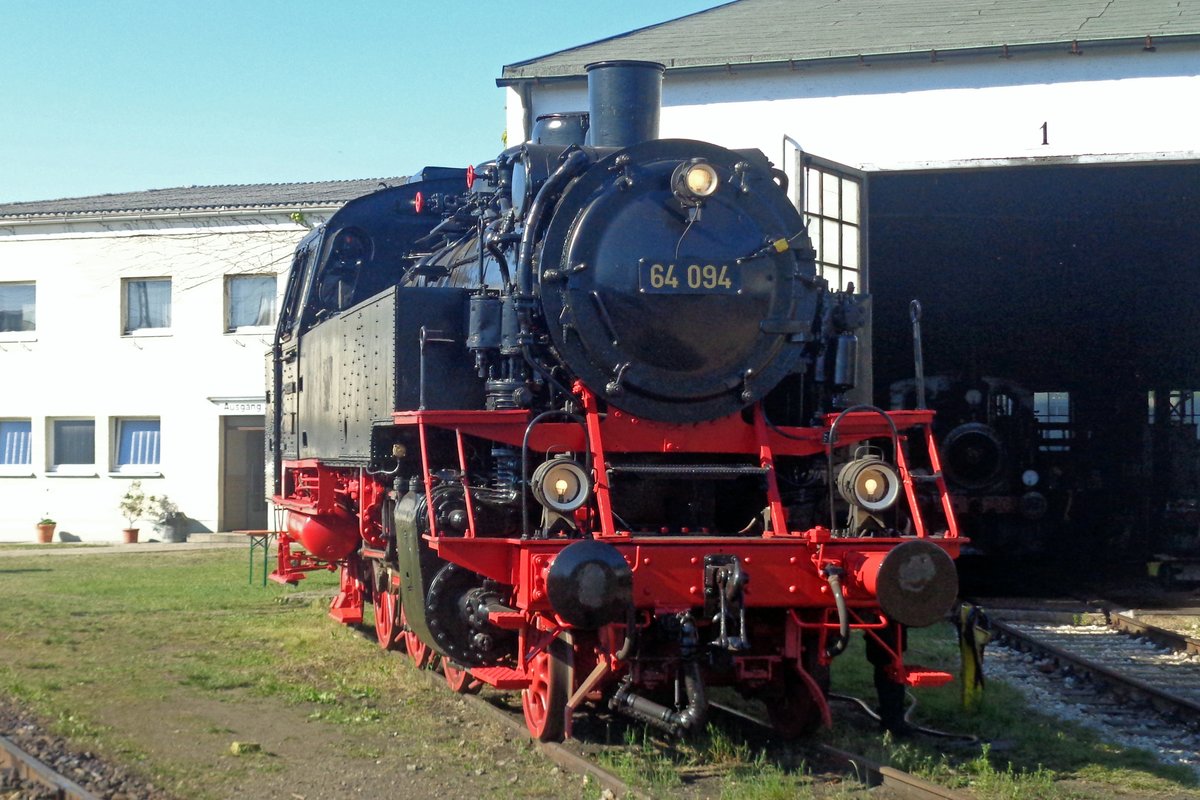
pixel 624 98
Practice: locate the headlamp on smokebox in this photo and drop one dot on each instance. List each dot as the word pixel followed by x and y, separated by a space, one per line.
pixel 694 181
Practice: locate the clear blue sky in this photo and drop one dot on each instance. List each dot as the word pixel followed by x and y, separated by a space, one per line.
pixel 122 95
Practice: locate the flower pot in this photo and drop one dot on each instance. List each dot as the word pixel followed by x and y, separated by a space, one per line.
pixel 45 532
pixel 130 535
pixel 172 528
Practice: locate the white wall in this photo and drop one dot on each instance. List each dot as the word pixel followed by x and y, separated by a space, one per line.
pixel 78 364
pixel 915 113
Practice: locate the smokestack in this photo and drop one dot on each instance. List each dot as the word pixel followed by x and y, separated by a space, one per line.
pixel 624 98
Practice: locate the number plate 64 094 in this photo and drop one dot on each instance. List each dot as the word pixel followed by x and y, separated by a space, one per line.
pixel 687 277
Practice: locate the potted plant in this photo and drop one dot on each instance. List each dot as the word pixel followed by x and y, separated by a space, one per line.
pixel 169 521
pixel 45 528
pixel 133 506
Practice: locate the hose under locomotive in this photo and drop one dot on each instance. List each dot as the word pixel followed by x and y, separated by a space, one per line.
pixel 577 429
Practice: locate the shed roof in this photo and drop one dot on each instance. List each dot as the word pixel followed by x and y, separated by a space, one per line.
pixel 203 198
pixel 779 31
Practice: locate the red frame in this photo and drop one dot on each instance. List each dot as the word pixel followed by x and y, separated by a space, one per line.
pixel 668 575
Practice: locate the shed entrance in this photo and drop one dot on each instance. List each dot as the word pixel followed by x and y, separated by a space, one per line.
pixel 1080 283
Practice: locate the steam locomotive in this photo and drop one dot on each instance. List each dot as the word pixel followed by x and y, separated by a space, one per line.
pixel 1010 485
pixel 574 421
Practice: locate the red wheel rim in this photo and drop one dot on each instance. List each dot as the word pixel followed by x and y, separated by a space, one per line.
pixel 418 651
pixel 387 632
pixel 460 680
pixel 545 699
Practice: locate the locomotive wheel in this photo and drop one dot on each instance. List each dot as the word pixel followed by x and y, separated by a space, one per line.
pixel 800 708
pixel 545 699
pixel 387 611
pixel 460 680
pixel 418 652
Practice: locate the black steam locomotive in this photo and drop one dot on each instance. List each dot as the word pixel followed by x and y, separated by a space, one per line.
pixel 1006 472
pixel 574 421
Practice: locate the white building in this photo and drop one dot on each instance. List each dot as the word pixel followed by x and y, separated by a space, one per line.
pixel 1029 170
pixel 133 329
pixel 888 85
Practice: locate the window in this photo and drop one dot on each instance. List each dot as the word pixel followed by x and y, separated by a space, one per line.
pixel 16 436
pixel 249 301
pixel 137 443
pixel 147 304
pixel 1053 412
pixel 832 201
pixel 1181 407
pixel 17 307
pixel 73 445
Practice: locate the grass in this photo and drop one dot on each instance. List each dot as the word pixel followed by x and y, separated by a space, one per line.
pixel 1019 754
pixel 103 646
pixel 161 661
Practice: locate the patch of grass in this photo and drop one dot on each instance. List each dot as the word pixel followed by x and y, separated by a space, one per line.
pixel 642 763
pixel 75 727
pixel 1007 784
pixel 1042 757
pixel 761 779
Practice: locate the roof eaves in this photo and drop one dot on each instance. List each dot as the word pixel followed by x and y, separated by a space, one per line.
pixel 180 211
pixel 566 72
pixel 613 38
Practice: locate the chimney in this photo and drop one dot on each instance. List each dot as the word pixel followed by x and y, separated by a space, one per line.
pixel 624 98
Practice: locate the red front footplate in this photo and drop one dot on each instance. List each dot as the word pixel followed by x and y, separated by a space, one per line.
pixel 925 677
pixel 501 677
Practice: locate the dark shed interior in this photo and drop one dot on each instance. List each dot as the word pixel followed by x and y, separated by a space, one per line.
pixel 1075 279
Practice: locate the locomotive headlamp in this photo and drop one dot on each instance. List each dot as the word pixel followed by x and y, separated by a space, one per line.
pixel 694 180
pixel 701 180
pixel 560 485
pixel 869 483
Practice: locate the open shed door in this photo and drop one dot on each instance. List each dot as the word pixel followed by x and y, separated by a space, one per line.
pixel 832 197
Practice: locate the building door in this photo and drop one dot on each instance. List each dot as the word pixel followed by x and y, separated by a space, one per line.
pixel 243 471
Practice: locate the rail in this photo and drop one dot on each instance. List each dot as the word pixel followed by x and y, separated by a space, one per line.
pixel 28 768
pixel 1115 673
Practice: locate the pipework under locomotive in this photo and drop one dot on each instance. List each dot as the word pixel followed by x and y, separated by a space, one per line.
pixel 574 420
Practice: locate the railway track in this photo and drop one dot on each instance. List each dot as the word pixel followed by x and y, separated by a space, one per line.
pixel 1133 668
pixel 1135 684
pixel 869 772
pixel 30 778
pixel 1127 622
pixel 571 756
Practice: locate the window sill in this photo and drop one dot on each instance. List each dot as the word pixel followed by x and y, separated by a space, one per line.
pixel 17 336
pixel 252 330
pixel 11 472
pixel 61 473
pixel 135 473
pixel 146 333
